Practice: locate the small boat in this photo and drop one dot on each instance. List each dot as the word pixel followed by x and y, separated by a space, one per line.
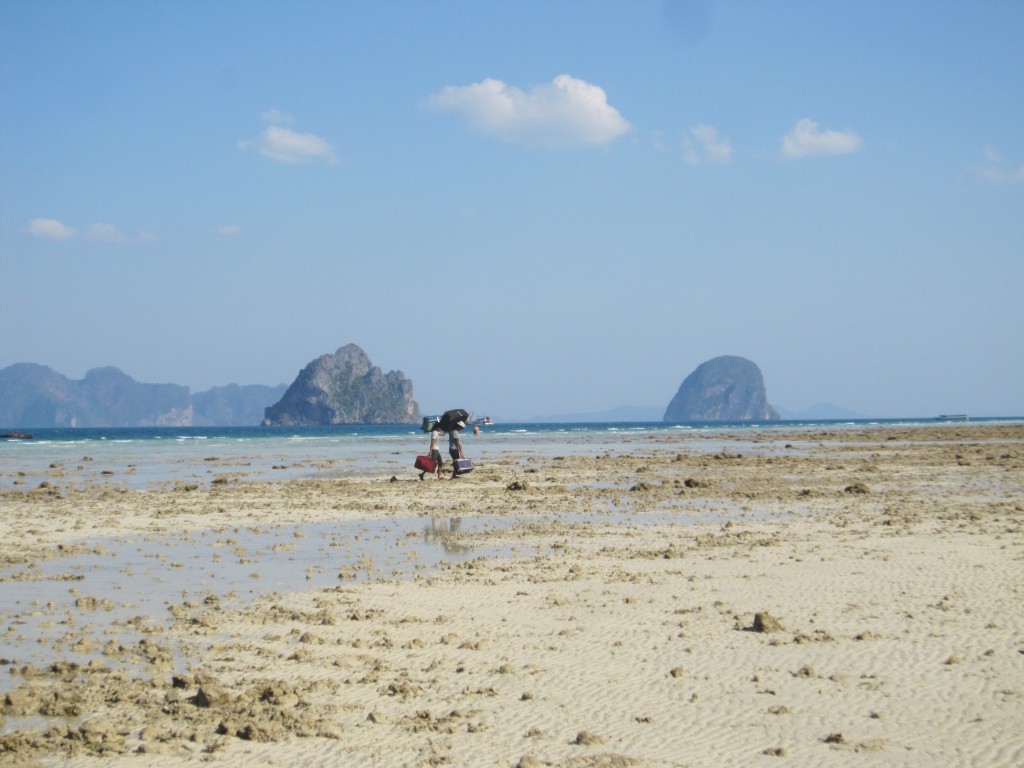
pixel 952 417
pixel 15 436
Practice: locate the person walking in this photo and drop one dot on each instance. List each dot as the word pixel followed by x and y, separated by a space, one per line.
pixel 435 453
pixel 455 447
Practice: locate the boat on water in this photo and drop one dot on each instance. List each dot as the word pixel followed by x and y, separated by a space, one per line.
pixel 15 436
pixel 952 417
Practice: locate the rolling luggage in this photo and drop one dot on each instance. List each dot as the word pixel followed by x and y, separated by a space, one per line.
pixel 463 466
pixel 425 464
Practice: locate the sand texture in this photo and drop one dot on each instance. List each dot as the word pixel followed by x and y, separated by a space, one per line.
pixel 852 597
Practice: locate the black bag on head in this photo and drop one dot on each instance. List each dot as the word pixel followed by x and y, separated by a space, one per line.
pixel 450 419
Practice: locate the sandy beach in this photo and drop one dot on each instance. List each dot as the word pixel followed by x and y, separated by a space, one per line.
pixel 847 597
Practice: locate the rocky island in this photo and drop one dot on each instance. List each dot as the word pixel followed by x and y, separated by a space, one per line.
pixel 726 388
pixel 345 388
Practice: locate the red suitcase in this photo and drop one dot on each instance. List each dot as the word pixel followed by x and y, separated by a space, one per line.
pixel 425 464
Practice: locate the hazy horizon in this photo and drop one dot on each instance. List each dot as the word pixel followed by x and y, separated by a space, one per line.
pixel 528 208
pixel 821 409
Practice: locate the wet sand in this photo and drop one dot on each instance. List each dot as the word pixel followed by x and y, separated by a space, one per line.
pixel 846 597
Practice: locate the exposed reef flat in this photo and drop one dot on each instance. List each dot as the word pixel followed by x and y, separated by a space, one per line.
pixel 831 597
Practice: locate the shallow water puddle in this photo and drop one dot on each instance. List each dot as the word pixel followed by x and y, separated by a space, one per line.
pixel 120 591
pixel 70 607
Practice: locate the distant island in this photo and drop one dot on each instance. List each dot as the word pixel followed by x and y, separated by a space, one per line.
pixel 726 388
pixel 345 388
pixel 341 388
pixel 234 405
pixel 34 395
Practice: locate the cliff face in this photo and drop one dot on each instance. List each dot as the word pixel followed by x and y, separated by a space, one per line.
pixel 345 388
pixel 723 389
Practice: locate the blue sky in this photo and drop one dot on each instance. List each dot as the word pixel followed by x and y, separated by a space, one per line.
pixel 528 208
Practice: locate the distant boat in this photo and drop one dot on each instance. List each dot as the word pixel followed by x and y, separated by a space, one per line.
pixel 952 417
pixel 484 421
pixel 15 436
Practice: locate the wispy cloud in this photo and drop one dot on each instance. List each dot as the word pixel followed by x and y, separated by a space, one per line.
pixel 229 230
pixel 283 145
pixel 275 115
pixel 808 140
pixel 105 233
pixel 704 144
pixel 999 172
pixel 50 229
pixel 567 112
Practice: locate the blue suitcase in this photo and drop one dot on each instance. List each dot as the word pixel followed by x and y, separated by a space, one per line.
pixel 463 466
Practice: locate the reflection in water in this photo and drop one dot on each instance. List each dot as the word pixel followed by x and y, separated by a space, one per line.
pixel 445 531
pixel 68 607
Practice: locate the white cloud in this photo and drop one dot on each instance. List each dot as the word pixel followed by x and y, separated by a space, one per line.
pixel 806 140
pixel 566 112
pixel 105 233
pixel 50 229
pixel 275 115
pixel 709 146
pixel 998 172
pixel 284 145
pixel 229 230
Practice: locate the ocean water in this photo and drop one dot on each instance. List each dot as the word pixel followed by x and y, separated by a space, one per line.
pixel 142 457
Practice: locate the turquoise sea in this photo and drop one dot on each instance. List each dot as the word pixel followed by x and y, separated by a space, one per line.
pixel 149 456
